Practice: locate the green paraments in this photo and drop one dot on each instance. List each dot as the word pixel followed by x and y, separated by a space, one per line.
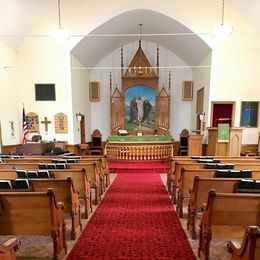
pixel 144 138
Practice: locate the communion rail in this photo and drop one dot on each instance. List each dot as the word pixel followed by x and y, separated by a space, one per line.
pixel 139 151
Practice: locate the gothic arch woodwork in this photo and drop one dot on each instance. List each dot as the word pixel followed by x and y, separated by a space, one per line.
pixel 140 106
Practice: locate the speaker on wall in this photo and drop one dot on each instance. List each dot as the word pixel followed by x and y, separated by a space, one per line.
pixel 187 90
pixel 94 91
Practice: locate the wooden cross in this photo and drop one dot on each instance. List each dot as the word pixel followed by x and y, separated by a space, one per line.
pixel 46 122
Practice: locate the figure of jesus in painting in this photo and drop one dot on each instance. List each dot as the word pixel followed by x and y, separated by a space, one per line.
pixel 133 110
pixel 147 109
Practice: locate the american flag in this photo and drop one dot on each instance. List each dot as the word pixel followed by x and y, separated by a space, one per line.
pixel 25 130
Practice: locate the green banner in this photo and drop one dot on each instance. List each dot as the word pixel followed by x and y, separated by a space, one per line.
pixel 223 132
pixel 144 138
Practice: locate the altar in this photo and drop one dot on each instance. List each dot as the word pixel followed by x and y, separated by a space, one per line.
pixel 34 148
pixel 147 147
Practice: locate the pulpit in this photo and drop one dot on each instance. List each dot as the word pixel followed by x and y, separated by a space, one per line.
pixel 230 148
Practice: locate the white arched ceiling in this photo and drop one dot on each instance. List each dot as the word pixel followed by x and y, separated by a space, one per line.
pixel 155 27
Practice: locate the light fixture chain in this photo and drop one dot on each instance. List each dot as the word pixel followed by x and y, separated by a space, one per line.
pixel 223 10
pixel 59 13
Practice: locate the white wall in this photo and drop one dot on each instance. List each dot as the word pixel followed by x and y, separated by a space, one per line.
pixel 46 62
pixel 201 78
pixel 80 98
pixel 10 109
pixel 234 72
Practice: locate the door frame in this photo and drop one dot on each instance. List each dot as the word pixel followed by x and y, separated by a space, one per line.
pixel 233 103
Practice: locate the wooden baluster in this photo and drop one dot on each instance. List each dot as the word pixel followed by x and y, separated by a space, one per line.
pixel 127 153
pixel 139 152
pixel 129 148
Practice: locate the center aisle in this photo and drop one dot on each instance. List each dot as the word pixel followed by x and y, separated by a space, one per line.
pixel 135 220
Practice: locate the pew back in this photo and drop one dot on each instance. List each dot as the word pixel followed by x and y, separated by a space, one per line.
pixel 34 213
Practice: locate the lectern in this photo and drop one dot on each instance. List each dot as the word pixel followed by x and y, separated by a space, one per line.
pixel 194 145
pixel 230 148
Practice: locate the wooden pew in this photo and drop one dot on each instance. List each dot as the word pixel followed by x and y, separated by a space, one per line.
pixel 185 184
pixel 22 166
pixel 34 213
pixel 250 247
pixel 199 195
pixel 93 174
pixel 91 168
pixel 81 182
pixel 227 215
pixel 66 193
pixel 8 249
pixel 99 160
pixel 179 166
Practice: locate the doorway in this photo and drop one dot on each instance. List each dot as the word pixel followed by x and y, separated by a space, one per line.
pixel 82 130
pixel 222 112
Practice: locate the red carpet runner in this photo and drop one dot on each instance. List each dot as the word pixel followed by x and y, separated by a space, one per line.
pixel 135 220
pixel 122 167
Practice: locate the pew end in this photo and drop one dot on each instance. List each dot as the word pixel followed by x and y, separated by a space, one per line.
pixel 8 249
pixel 48 218
pixel 250 247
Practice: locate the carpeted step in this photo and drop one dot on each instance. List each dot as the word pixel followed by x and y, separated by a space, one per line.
pixel 149 166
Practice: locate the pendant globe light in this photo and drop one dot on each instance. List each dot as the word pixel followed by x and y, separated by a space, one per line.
pixel 60 34
pixel 222 30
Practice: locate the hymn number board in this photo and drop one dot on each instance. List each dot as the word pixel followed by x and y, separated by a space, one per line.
pixel 32 120
pixel 61 123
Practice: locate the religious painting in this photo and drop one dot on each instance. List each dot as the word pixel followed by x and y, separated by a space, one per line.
pixel 32 120
pixel 249 114
pixel 140 108
pixel 61 123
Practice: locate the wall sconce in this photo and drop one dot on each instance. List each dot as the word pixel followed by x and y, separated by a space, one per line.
pixel 79 116
pixel 202 116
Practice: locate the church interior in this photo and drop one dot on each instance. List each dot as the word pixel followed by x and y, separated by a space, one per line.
pixel 112 101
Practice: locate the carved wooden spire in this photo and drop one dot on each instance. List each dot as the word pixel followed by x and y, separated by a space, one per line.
pixel 110 84
pixel 170 78
pixel 140 37
pixel 157 61
pixel 122 61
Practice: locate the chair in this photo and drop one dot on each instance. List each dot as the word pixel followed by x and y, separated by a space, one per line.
pixel 96 146
pixel 183 150
pixel 37 138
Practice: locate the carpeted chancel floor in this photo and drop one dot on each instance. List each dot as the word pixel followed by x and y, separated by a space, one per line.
pixel 135 220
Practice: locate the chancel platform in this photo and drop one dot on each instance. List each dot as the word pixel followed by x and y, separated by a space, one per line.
pixel 146 147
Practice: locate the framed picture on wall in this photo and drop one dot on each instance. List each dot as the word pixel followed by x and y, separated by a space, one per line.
pixel 249 114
